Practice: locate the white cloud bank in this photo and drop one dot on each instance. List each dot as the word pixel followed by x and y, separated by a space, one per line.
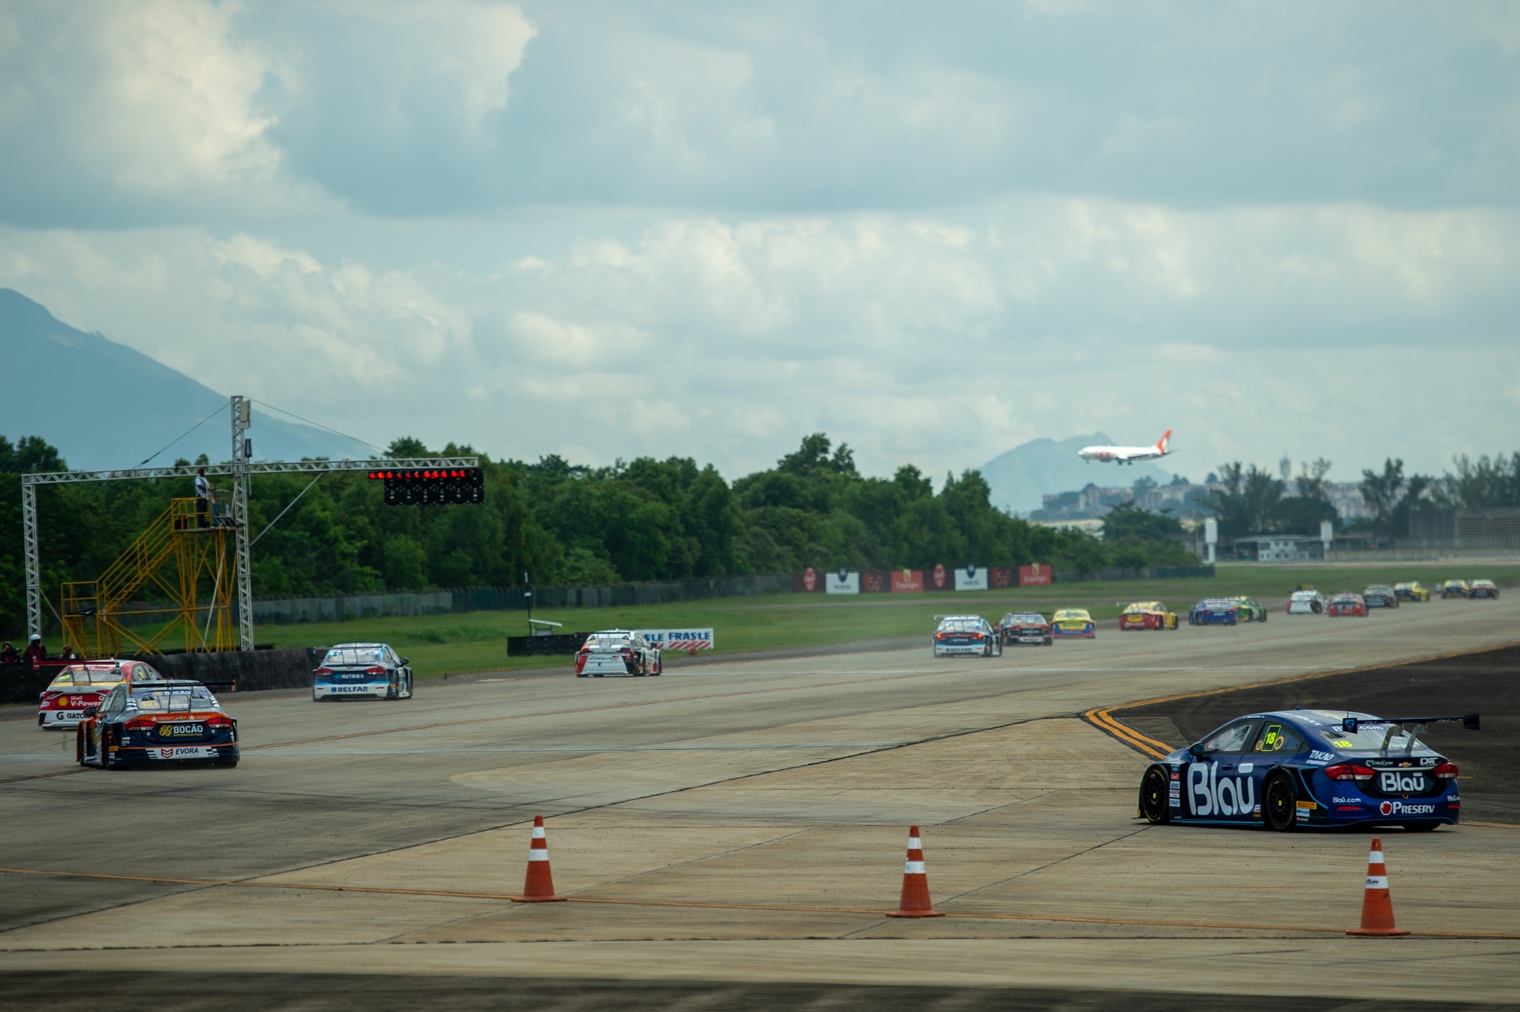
pixel 1346 331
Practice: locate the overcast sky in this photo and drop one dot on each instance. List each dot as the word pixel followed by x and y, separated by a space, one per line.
pixel 934 231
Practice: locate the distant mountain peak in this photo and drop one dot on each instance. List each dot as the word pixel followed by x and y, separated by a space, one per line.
pixel 122 404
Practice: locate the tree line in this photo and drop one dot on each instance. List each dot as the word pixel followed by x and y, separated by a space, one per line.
pixel 558 523
pixel 1252 501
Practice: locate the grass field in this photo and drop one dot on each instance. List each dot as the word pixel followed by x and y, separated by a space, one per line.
pixel 476 641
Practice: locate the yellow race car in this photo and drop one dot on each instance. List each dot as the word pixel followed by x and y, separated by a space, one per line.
pixel 1411 591
pixel 1147 615
pixel 1073 623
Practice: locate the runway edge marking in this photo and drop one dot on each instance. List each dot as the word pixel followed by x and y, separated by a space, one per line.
pixel 1102 718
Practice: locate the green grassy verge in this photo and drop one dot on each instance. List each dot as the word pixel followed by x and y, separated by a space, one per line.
pixel 458 643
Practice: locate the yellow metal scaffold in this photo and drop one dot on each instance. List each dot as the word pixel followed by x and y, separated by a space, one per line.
pixel 188 555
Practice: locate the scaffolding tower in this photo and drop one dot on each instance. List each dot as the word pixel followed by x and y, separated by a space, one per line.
pixel 96 607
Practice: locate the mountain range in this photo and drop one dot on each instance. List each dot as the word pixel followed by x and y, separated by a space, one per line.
pixel 104 405
pixel 1042 466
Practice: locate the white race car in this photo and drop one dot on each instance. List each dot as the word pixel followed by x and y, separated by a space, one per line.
pixel 362 671
pixel 1307 602
pixel 617 653
pixel 967 636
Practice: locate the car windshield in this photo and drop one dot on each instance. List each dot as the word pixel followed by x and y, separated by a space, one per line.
pixel 352 657
pixel 1369 737
pixel 171 698
pixel 1215 604
pixel 84 676
pixel 608 641
pixel 961 625
pixel 1072 615
pixel 1024 620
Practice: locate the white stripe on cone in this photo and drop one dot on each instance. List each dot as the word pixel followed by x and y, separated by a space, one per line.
pixel 1377 881
pixel 913 843
pixel 913 867
pixel 1376 857
pixel 538 855
pixel 538 833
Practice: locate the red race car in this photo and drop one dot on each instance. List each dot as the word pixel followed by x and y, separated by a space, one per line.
pixel 1347 603
pixel 1025 627
pixel 1148 615
pixel 86 684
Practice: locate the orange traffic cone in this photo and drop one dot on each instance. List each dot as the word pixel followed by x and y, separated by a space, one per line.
pixel 538 887
pixel 1377 907
pixel 915 900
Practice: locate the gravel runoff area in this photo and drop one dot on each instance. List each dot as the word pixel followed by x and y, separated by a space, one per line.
pixel 1485 682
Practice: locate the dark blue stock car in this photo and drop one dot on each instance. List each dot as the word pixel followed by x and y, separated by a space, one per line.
pixel 1307 768
pixel 1214 611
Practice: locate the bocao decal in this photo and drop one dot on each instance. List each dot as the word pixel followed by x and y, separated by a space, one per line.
pixel 809 578
pixel 939 575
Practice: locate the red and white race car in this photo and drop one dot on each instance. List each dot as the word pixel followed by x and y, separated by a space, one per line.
pixel 1025 627
pixel 617 653
pixel 1347 603
pixel 86 684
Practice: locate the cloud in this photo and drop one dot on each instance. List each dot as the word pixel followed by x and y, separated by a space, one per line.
pixel 941 341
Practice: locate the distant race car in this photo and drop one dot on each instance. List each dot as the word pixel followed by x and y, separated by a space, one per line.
pixel 1346 603
pixel 1412 591
pixel 617 653
pixel 1147 615
pixel 361 671
pixel 967 636
pixel 1025 627
pixel 1483 588
pixel 1379 596
pixel 77 686
pixel 1214 611
pixel 1250 609
pixel 1306 602
pixel 1073 623
pixel 1452 588
pixel 150 722
pixel 1307 768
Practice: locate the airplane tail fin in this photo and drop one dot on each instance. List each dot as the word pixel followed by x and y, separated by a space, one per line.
pixel 1164 442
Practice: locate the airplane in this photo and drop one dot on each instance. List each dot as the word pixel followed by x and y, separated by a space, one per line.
pixel 1127 454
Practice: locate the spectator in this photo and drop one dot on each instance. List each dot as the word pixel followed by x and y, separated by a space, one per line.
pixel 35 652
pixel 202 495
pixel 68 654
pixel 8 655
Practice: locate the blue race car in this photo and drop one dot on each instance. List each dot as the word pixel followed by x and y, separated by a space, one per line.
pixel 1215 611
pixel 362 671
pixel 1316 768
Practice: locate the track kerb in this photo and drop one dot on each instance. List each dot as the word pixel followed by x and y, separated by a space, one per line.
pixel 538 887
pixel 915 900
pixel 1377 906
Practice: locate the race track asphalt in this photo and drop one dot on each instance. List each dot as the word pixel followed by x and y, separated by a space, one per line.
pixel 743 824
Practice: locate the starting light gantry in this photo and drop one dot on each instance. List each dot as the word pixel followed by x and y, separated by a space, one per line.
pixel 437 480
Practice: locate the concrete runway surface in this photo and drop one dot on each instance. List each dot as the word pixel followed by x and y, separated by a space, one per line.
pixel 744 824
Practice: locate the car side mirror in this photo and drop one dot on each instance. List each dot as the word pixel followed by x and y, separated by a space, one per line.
pixel 1195 749
pixel 405 661
pixel 91 711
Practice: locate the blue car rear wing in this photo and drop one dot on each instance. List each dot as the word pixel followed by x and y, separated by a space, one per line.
pixel 1411 726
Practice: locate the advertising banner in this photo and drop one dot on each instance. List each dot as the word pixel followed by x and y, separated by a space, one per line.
pixel 806 582
pixel 1001 576
pixel 678 639
pixel 907 581
pixel 842 583
pixel 873 583
pixel 971 577
pixel 939 579
pixel 1034 576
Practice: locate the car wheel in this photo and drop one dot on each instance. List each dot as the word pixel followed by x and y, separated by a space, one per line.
pixel 1050 641
pixel 1153 797
pixel 79 745
pixel 1420 827
pixel 227 764
pixel 1279 803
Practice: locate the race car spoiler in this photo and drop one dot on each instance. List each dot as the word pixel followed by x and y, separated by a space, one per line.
pixel 1469 722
